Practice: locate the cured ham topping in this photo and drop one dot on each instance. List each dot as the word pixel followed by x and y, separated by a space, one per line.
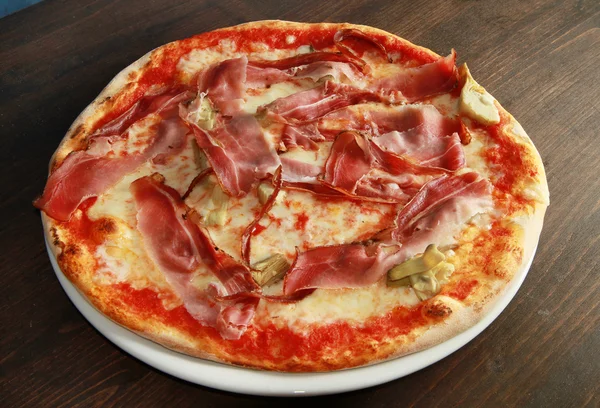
pixel 82 175
pixel 257 77
pixel 225 85
pixel 381 119
pixel 435 214
pixel 238 153
pixel 142 108
pixel 355 34
pixel 308 58
pixel 305 136
pixel 334 267
pixel 428 150
pixel 89 173
pixel 420 82
pixel 178 246
pixel 438 212
pixel 359 167
pixel 319 101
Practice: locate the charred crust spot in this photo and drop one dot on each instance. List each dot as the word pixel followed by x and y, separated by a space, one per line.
pixel 71 250
pixel 438 311
pixel 79 131
pixel 55 239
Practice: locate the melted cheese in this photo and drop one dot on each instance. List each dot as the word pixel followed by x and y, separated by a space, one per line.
pixel 327 306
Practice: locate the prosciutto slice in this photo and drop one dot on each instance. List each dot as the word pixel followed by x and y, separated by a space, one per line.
pixel 83 174
pixel 262 77
pixel 324 69
pixel 88 173
pixel 225 84
pixel 360 168
pixel 439 211
pixel 147 105
pixel 429 150
pixel 333 267
pixel 420 82
pixel 379 120
pixel 305 136
pixel 257 77
pixel 238 152
pixel 178 247
pixel 319 101
pixel 308 58
pixel 355 34
pixel 435 215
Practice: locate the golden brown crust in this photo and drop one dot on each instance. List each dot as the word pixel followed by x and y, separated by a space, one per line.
pixel 443 316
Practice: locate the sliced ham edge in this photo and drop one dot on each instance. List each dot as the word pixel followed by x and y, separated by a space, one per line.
pixel 434 195
pixel 420 82
pixel 356 163
pixel 225 85
pixel 336 267
pixel 312 104
pixel 178 246
pixel 356 34
pixel 238 153
pixel 435 215
pixel 308 58
pixel 89 173
pixel 142 108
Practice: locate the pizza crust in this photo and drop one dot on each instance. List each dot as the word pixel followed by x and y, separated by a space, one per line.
pixel 78 264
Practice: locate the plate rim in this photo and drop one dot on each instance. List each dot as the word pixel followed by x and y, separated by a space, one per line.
pixel 269 383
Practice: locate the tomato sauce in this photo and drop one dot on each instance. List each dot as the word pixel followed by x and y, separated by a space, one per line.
pixel 463 289
pixel 301 221
pixel 509 156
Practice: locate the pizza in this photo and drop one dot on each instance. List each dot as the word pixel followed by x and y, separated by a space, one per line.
pixel 294 197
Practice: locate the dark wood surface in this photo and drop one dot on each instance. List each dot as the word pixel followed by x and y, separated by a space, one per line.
pixel 539 58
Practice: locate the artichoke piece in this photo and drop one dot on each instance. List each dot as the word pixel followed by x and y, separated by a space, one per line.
pixel 220 199
pixel 264 192
pixel 201 112
pixel 475 102
pixel 425 285
pixel 205 115
pixel 442 272
pixel 418 264
pixel 270 270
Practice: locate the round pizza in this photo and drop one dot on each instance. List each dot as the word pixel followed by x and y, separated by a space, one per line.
pixel 294 197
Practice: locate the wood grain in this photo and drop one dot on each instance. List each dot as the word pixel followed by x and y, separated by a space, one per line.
pixel 539 58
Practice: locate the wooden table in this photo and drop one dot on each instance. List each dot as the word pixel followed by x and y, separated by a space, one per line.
pixel 539 58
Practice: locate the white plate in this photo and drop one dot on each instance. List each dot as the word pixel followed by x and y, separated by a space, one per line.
pixel 256 382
